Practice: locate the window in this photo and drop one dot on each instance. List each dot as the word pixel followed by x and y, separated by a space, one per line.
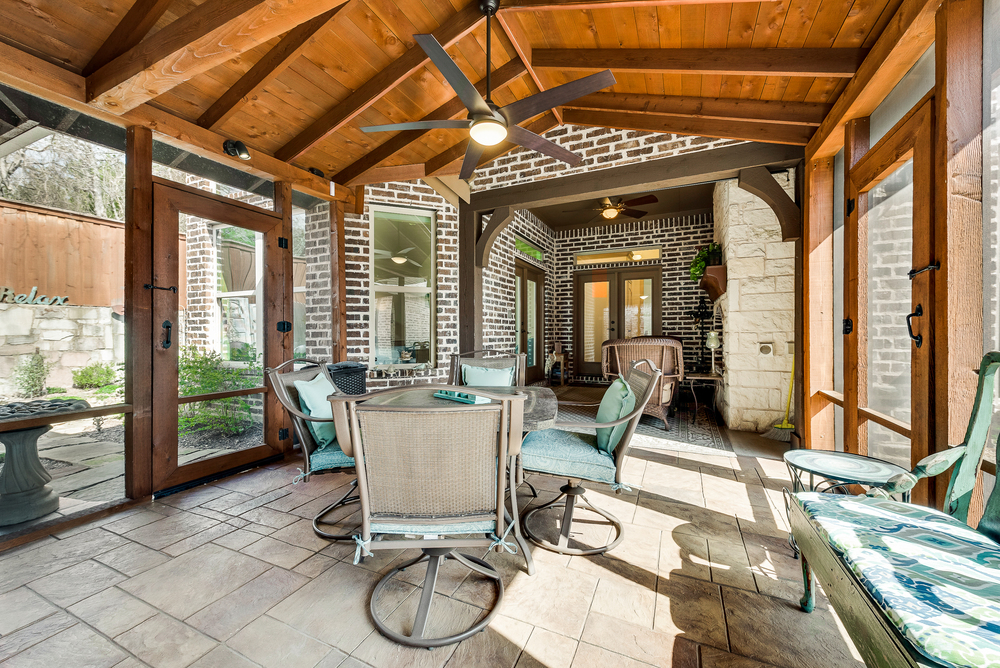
pixel 238 301
pixel 529 249
pixel 402 280
pixel 620 255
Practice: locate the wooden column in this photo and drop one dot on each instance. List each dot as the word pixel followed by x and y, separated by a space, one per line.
pixel 278 278
pixel 958 179
pixel 338 282
pixel 817 339
pixel 138 312
pixel 470 281
pixel 856 144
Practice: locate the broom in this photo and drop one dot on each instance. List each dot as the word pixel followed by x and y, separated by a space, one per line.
pixel 783 430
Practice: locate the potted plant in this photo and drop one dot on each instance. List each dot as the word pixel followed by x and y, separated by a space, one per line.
pixel 707 256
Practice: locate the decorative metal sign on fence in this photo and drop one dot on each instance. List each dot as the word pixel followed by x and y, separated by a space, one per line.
pixel 8 296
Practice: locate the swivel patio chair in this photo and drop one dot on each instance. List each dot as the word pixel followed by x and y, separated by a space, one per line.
pixel 483 367
pixel 436 472
pixel 666 352
pixel 323 434
pixel 598 457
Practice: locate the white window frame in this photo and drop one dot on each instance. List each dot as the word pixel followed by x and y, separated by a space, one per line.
pixel 372 289
pixel 257 293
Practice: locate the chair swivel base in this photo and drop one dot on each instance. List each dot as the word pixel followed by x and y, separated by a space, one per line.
pixel 434 558
pixel 574 496
pixel 343 501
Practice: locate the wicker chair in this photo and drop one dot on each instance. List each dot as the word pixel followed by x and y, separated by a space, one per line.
pixel 332 459
pixel 566 454
pixel 488 359
pixel 666 353
pixel 450 489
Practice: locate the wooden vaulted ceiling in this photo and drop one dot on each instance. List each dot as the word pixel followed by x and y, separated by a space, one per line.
pixel 297 80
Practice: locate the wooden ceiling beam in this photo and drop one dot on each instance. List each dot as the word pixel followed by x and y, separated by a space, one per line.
pixel 266 69
pixel 136 24
pixel 842 63
pixel 372 90
pixel 771 111
pixel 557 5
pixel 448 162
pixel 771 133
pixel 210 34
pixel 511 71
pixel 515 33
pixel 906 37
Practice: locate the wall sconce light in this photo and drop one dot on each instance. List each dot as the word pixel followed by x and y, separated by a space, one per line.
pixel 236 149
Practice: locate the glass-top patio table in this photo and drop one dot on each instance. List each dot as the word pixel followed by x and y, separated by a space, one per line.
pixel 828 470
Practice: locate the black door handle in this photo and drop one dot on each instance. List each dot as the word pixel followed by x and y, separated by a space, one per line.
pixel 919 338
pixel 167 326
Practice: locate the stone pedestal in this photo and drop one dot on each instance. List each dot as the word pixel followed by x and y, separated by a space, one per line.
pixel 24 490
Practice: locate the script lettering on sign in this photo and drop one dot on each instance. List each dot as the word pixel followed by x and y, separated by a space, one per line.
pixel 8 296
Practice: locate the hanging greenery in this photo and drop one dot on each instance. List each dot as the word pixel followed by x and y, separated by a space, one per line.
pixel 707 256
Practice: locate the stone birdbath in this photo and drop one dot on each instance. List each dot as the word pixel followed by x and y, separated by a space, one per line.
pixel 24 490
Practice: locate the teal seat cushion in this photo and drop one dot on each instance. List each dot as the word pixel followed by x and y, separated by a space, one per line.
pixel 936 579
pixel 618 401
pixel 566 453
pixel 479 376
pixel 330 457
pixel 313 401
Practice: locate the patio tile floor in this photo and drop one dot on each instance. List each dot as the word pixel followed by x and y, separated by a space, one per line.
pixel 230 574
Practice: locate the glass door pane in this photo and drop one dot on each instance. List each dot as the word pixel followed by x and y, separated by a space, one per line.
pixel 596 319
pixel 531 322
pixel 638 315
pixel 518 306
pixel 890 257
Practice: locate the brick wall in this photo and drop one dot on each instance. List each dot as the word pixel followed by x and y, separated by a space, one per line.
pixel 319 308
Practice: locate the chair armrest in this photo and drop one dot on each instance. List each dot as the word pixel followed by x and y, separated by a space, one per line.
pixel 579 403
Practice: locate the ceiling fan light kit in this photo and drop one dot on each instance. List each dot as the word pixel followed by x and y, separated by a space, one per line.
pixel 398 259
pixel 488 131
pixel 609 213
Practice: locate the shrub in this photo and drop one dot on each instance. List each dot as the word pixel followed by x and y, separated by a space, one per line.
pixel 55 390
pixel 94 375
pixel 206 372
pixel 30 375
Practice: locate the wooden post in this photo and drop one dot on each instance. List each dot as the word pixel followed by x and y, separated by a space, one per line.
pixel 817 306
pixel 958 188
pixel 470 281
pixel 278 277
pixel 338 282
pixel 138 312
pixel 856 144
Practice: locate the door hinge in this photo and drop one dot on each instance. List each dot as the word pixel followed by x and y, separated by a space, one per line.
pixel 850 206
pixel 284 326
pixel 282 434
pixel 282 242
pixel 848 326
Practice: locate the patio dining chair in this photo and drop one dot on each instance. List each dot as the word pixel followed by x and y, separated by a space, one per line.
pixel 487 368
pixel 323 435
pixel 598 457
pixel 432 475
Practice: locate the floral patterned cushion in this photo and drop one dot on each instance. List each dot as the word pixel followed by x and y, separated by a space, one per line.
pixel 330 457
pixel 937 580
pixel 566 453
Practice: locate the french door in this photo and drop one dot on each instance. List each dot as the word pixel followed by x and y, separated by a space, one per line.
pixel 613 304
pixel 889 305
pixel 529 318
pixel 220 315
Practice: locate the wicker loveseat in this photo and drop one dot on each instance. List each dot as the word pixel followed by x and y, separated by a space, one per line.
pixel 666 353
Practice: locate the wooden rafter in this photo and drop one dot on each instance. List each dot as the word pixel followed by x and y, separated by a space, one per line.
pixel 372 90
pixel 266 69
pixel 507 73
pixel 761 62
pixel 447 162
pixel 208 35
pixel 556 5
pixel 135 25
pixel 771 133
pixel 771 111
pixel 515 33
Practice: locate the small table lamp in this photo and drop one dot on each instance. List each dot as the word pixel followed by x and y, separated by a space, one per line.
pixel 713 342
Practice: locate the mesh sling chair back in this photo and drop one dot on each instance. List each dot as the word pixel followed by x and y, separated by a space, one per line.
pixel 581 457
pixel 435 469
pixel 487 360
pixel 333 457
pixel 667 353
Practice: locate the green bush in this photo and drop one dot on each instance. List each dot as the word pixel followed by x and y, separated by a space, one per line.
pixel 94 375
pixel 202 372
pixel 30 375
pixel 55 390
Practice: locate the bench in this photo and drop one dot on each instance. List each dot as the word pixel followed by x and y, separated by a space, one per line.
pixel 913 586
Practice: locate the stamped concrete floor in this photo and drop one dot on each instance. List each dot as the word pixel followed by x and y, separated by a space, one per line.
pixel 230 575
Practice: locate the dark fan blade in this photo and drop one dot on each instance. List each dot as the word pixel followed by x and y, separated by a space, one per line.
pixel 515 112
pixel 417 125
pixel 464 88
pixel 639 201
pixel 472 155
pixel 633 213
pixel 529 139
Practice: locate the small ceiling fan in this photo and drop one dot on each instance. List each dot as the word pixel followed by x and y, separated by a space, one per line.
pixel 489 124
pixel 609 210
pixel 398 257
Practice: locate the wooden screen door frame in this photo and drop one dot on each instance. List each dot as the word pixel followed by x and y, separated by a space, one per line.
pixel 169 201
pixel 911 138
pixel 534 368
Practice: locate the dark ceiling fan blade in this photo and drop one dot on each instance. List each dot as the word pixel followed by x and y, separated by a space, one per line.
pixel 418 125
pixel 472 155
pixel 464 88
pixel 515 112
pixel 529 139
pixel 633 213
pixel 638 201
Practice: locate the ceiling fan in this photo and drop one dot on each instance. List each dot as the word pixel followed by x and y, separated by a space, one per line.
pixel 489 124
pixel 398 257
pixel 609 210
